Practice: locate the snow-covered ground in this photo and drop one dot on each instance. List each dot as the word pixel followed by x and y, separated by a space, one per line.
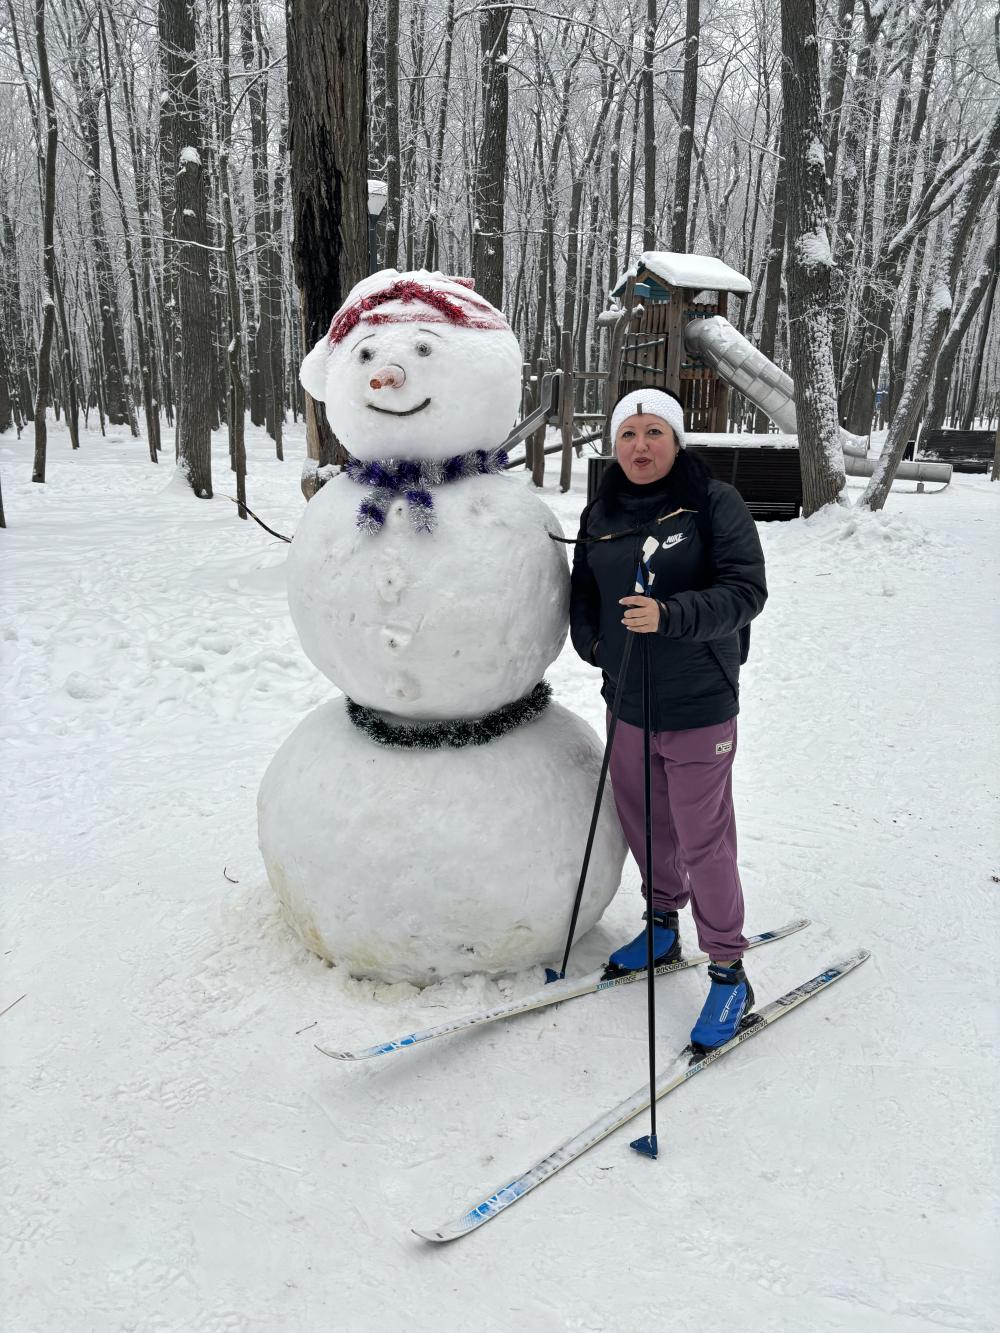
pixel 179 1157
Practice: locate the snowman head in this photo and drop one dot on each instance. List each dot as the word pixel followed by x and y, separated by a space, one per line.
pixel 416 365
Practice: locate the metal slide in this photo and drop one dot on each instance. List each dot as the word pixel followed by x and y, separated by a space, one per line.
pixel 749 371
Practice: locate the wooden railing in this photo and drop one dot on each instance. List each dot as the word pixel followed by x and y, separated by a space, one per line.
pixel 575 428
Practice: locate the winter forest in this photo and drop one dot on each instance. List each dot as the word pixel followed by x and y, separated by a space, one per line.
pixel 168 178
pixel 498 539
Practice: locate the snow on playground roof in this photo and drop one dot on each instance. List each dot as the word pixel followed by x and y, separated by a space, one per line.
pixel 698 271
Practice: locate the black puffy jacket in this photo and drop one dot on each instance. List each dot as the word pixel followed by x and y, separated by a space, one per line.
pixel 710 589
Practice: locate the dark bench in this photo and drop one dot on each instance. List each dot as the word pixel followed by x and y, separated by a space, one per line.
pixel 965 450
pixel 769 480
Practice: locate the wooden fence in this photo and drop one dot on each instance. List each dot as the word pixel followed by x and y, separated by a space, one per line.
pixel 576 428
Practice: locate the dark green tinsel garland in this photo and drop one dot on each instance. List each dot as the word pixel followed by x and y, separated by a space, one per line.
pixel 453 735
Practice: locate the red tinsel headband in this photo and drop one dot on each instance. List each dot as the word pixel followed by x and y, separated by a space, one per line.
pixel 452 308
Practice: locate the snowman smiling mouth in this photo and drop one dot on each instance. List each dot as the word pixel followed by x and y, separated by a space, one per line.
pixel 407 413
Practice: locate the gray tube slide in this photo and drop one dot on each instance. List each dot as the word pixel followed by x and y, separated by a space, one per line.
pixel 865 467
pixel 747 369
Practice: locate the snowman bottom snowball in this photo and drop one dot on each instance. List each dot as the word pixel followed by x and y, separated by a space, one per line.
pixel 407 865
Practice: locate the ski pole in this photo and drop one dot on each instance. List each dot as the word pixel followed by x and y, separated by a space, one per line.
pixel 550 974
pixel 647 1144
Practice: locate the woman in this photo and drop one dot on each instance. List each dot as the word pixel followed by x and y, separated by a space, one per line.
pixel 689 540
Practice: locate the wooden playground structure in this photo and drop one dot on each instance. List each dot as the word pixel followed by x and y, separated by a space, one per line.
pixel 670 331
pixel 642 346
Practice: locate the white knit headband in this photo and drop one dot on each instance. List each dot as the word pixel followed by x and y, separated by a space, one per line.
pixel 655 403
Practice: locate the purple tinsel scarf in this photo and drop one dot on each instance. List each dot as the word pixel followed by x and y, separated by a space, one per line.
pixel 413 479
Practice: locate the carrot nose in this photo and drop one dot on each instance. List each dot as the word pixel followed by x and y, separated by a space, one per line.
pixel 389 377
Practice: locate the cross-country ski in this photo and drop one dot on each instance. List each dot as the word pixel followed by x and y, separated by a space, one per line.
pixel 555 993
pixel 681 1071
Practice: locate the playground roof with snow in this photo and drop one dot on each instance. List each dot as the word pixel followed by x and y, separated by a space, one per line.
pixel 678 270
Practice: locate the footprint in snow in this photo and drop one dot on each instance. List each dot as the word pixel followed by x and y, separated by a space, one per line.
pixel 79 686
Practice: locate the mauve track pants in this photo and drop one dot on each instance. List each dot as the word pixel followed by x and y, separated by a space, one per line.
pixel 694 828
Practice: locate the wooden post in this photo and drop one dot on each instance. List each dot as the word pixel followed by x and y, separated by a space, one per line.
pixel 538 439
pixel 675 338
pixel 616 343
pixel 720 411
pixel 528 401
pixel 566 405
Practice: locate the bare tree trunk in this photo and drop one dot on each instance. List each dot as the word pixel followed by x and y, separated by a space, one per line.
pixel 545 290
pixel 214 236
pixel 649 132
pixel 593 284
pixel 92 391
pixel 773 267
pixel 809 260
pixel 431 240
pixel 253 281
pixel 6 413
pixel 979 356
pixel 544 240
pixel 48 242
pixel 157 366
pixel 749 263
pixel 12 323
pixel 615 265
pixel 575 210
pixel 882 270
pixel 266 242
pixel 704 185
pixel 71 378
pixel 416 102
pixel 118 404
pixel 237 395
pixel 491 157
pixel 905 338
pixel 689 107
pixel 839 59
pixel 979 184
pixel 377 148
pixel 168 287
pixel 276 384
pixel 190 237
pixel 393 164
pixel 850 173
pixel 142 330
pixel 542 283
pixel 328 147
pixel 941 384
pixel 630 216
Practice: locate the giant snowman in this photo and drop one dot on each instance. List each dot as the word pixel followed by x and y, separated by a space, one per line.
pixel 432 821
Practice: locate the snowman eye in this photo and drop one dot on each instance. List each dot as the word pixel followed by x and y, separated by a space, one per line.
pixel 423 349
pixel 366 354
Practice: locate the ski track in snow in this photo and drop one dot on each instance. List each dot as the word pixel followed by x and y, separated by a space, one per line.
pixel 177 1156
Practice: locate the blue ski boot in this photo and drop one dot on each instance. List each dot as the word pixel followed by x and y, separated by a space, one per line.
pixel 631 957
pixel 730 999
